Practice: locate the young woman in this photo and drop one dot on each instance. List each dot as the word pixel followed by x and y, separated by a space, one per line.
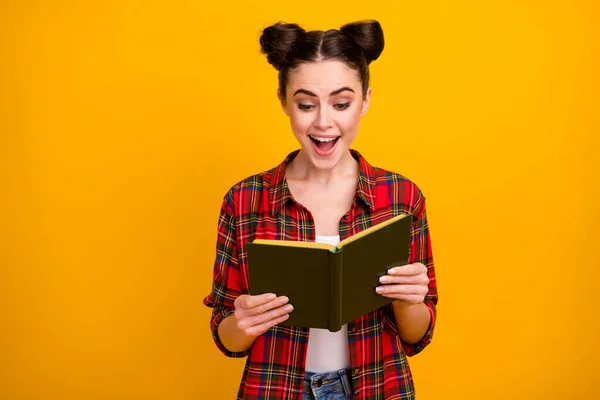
pixel 324 191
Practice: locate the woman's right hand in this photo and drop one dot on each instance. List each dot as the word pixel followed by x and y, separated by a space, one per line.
pixel 254 315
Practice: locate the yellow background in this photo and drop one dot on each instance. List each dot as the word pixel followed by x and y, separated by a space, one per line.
pixel 123 123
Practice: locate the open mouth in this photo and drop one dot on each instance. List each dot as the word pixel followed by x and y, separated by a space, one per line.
pixel 324 145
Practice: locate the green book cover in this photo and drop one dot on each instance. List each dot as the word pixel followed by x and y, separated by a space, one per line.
pixel 330 286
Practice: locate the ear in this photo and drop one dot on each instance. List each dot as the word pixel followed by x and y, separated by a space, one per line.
pixel 366 103
pixel 282 103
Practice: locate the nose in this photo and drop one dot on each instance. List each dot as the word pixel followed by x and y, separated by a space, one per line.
pixel 323 120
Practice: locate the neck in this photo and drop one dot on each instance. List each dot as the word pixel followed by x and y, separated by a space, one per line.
pixel 301 168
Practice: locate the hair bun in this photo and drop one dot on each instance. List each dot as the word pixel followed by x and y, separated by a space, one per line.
pixel 368 35
pixel 276 40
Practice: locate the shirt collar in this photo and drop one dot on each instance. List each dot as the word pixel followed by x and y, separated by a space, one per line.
pixel 279 192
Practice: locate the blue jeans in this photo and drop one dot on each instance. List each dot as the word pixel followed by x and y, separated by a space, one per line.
pixel 335 385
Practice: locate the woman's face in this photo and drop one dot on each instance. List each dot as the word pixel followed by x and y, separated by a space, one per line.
pixel 325 104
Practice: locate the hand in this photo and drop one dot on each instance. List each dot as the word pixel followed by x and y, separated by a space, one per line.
pixel 407 283
pixel 254 315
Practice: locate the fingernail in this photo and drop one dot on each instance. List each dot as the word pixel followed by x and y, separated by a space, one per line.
pixel 289 308
pixel 391 270
pixel 379 289
pixel 384 279
pixel 271 296
pixel 284 299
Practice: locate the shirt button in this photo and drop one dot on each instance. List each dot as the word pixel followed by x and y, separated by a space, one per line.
pixel 356 371
pixel 353 330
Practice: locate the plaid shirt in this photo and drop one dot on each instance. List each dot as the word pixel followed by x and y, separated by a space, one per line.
pixel 261 206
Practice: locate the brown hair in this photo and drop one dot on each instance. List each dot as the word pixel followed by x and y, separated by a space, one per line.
pixel 356 44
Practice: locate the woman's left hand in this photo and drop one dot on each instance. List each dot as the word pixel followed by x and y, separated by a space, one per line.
pixel 408 283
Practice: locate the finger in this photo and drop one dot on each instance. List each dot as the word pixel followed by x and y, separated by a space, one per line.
pixel 253 301
pixel 263 308
pixel 402 289
pixel 408 269
pixel 421 279
pixel 266 317
pixel 405 279
pixel 258 330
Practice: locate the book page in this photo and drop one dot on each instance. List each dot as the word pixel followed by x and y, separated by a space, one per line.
pixel 371 230
pixel 295 243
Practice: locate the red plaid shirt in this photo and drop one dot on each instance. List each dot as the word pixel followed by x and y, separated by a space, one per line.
pixel 261 206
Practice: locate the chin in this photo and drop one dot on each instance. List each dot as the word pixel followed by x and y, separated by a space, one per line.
pixel 325 163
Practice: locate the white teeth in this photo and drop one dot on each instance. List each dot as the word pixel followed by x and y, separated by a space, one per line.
pixel 320 139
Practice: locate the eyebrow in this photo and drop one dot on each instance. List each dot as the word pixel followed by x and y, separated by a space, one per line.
pixel 338 91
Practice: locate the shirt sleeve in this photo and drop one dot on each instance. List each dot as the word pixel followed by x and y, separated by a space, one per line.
pixel 227 277
pixel 420 251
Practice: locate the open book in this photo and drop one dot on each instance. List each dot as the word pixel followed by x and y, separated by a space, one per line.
pixel 330 285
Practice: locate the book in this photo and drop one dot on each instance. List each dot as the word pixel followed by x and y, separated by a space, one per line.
pixel 329 286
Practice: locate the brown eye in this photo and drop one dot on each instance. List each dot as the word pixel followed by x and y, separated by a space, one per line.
pixel 305 107
pixel 342 106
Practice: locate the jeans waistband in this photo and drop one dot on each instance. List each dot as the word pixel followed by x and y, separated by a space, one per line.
pixel 316 380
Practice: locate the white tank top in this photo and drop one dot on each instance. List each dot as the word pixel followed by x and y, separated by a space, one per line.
pixel 327 351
